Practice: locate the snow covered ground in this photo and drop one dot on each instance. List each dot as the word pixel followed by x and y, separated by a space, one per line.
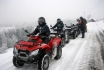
pixel 79 54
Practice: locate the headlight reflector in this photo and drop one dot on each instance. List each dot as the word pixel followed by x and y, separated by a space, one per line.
pixel 34 52
pixel 15 51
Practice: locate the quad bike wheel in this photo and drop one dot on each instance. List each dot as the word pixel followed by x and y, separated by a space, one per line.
pixel 43 63
pixel 67 37
pixel 74 34
pixel 62 42
pixel 79 31
pixel 17 63
pixel 59 52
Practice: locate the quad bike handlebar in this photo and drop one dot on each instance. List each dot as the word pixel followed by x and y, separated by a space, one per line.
pixel 30 35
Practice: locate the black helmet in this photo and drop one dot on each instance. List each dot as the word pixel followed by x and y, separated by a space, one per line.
pixel 81 18
pixel 41 19
pixel 58 20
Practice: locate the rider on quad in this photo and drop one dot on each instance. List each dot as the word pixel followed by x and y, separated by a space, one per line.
pixel 42 29
pixel 59 26
pixel 60 30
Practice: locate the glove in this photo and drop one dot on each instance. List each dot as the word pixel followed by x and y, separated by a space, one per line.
pixel 28 35
pixel 41 36
pixel 51 28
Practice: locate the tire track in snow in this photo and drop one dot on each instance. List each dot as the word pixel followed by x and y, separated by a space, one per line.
pixel 5 61
pixel 67 60
pixel 100 36
pixel 82 62
pixel 95 58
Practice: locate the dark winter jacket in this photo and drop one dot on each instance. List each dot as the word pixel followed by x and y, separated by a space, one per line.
pixel 42 30
pixel 59 25
pixel 83 24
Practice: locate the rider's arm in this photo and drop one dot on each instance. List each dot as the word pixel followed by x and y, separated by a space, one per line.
pixel 55 25
pixel 47 31
pixel 35 31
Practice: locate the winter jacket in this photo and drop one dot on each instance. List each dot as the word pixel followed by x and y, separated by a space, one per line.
pixel 59 25
pixel 83 23
pixel 42 30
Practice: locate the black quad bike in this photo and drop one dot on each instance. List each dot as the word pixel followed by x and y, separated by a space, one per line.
pixel 72 30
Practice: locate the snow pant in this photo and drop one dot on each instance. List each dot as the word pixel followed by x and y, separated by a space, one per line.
pixel 83 32
pixel 45 40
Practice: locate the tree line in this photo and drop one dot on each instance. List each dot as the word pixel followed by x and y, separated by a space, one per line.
pixel 10 37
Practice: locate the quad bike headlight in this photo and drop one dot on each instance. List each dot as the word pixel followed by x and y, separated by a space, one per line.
pixel 35 52
pixel 15 51
pixel 59 35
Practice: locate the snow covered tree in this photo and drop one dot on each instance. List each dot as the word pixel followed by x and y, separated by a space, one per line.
pixel 0 41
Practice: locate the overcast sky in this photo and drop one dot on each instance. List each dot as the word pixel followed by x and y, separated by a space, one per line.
pixel 20 11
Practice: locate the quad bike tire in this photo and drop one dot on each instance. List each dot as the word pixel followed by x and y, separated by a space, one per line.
pixel 74 34
pixel 43 63
pixel 67 37
pixel 79 31
pixel 59 52
pixel 17 63
pixel 62 42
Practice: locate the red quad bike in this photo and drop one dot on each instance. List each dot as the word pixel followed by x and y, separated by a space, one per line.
pixel 36 52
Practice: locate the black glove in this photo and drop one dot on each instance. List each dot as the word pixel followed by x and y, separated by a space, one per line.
pixel 28 35
pixel 41 36
pixel 51 28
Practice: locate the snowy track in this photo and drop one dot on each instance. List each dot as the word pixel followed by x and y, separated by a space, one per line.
pixel 79 54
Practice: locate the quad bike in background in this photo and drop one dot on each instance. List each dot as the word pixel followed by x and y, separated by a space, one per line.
pixel 36 52
pixel 72 30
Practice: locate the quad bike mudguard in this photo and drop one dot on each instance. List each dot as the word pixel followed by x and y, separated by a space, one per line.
pixel 54 42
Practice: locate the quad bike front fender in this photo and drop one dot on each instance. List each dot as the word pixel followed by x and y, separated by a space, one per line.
pixel 45 47
pixel 56 42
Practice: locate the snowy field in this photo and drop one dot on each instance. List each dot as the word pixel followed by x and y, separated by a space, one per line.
pixel 79 54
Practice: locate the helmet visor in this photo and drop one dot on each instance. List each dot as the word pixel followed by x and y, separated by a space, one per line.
pixel 41 20
pixel 58 20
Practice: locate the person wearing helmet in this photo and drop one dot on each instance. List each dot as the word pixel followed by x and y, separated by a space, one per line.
pixel 59 25
pixel 42 29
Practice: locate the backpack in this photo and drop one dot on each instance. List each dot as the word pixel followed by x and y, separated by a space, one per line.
pixel 85 21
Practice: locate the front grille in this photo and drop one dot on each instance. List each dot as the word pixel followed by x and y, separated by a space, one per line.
pixel 23 53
